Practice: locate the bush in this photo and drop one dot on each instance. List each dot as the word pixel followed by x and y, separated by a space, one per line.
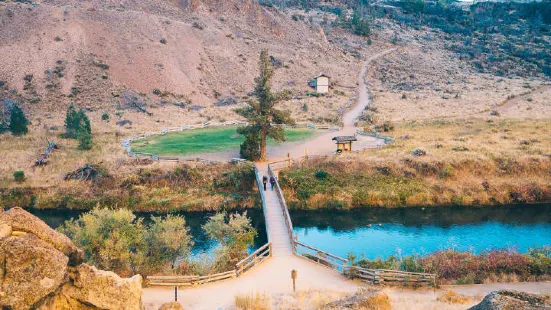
pixel 235 236
pixel 119 241
pixel 321 174
pixel 18 121
pixel 19 176
pixel 105 116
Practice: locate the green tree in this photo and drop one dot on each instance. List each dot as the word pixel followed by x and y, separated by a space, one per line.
pixel 262 115
pixel 235 235
pixel 18 121
pixel 71 123
pixel 360 25
pixel 84 139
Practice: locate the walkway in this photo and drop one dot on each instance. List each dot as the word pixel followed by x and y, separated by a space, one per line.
pixel 278 234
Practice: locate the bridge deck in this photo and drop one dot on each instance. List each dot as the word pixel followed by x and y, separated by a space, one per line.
pixel 278 234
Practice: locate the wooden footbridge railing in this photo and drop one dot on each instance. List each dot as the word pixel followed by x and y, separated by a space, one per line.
pixel 254 259
pixel 342 265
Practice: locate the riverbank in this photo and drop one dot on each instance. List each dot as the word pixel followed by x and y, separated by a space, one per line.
pixel 434 163
pixel 146 187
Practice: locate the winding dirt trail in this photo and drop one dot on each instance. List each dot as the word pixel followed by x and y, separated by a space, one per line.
pixel 321 144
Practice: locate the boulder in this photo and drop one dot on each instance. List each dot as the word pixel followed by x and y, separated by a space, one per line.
pixel 5 231
pixel 61 301
pixel 171 306
pixel 509 299
pixel 104 289
pixel 22 220
pixel 32 269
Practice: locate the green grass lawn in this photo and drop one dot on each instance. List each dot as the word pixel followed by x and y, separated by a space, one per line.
pixel 207 140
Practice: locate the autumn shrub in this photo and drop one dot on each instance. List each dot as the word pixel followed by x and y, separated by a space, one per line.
pixel 452 266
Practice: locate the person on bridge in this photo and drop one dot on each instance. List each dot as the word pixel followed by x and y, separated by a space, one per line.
pixel 264 181
pixel 272 181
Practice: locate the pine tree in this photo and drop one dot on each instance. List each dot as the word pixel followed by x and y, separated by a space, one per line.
pixel 261 114
pixel 71 123
pixel 18 121
pixel 83 122
pixel 84 139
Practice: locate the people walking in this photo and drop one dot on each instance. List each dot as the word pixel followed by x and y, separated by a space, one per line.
pixel 264 181
pixel 272 182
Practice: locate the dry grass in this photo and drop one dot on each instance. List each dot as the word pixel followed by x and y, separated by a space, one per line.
pixel 452 297
pixel 467 162
pixel 256 301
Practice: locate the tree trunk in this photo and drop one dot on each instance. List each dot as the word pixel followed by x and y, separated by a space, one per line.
pixel 263 143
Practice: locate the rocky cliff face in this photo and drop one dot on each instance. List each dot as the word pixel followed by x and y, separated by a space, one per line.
pixel 43 269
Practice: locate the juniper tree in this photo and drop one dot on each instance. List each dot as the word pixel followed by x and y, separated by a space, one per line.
pixel 71 122
pixel 18 121
pixel 262 114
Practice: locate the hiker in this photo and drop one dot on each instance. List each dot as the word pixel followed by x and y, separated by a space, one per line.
pixel 264 181
pixel 272 181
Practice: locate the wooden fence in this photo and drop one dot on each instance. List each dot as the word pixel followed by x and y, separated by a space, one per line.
pixel 254 259
pixel 380 276
pixel 284 208
pixel 321 257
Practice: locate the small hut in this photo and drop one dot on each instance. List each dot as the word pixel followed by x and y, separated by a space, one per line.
pixel 344 143
pixel 320 83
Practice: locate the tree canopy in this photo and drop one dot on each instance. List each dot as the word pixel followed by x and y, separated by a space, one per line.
pixel 262 115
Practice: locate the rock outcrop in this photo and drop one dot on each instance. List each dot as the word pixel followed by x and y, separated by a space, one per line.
pixel 508 299
pixel 43 270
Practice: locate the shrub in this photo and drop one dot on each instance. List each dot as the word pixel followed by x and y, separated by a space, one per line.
pixel 18 121
pixel 321 174
pixel 19 176
pixel 119 241
pixel 235 235
pixel 305 107
pixel 105 116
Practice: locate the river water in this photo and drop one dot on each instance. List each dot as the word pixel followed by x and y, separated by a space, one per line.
pixel 381 232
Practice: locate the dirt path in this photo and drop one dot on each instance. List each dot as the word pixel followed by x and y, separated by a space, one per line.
pixel 322 144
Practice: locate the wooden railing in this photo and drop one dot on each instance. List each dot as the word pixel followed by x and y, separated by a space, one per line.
pixel 263 198
pixel 379 276
pixel 254 259
pixel 321 257
pixel 284 209
pixel 189 280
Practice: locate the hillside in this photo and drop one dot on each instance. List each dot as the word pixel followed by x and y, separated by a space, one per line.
pixel 177 59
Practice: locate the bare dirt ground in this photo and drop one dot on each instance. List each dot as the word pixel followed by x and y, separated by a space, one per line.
pixel 272 277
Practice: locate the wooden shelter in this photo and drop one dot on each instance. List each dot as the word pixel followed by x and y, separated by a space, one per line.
pixel 344 143
pixel 321 83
